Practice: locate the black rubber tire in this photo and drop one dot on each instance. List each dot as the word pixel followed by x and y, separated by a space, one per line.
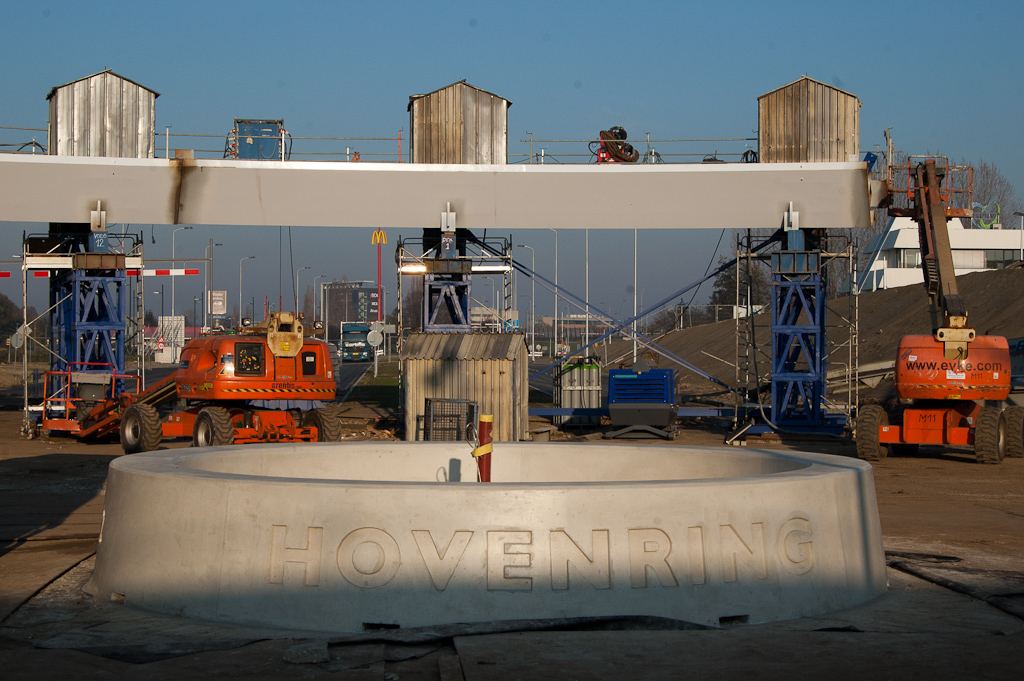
pixel 869 419
pixel 990 435
pixel 141 430
pixel 1014 431
pixel 328 427
pixel 904 449
pixel 213 428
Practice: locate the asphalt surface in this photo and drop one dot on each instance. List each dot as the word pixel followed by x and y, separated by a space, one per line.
pixel 953 532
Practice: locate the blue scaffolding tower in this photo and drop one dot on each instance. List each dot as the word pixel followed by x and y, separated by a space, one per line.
pixel 88 320
pixel 801 350
pixel 798 341
pixel 89 317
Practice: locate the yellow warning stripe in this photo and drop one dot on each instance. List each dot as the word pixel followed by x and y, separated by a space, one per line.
pixel 989 388
pixel 482 449
pixel 277 390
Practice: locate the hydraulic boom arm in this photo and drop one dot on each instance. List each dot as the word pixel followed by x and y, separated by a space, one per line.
pixel 947 307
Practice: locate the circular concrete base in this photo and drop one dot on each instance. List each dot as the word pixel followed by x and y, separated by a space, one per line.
pixel 349 537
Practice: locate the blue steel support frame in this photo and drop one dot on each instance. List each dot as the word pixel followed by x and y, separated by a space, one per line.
pixel 88 320
pixel 449 292
pixel 798 343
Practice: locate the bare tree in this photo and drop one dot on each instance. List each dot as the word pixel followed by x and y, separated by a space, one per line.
pixel 307 303
pixel 994 192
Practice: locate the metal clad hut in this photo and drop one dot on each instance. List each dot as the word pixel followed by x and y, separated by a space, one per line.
pixel 459 123
pixel 103 115
pixel 807 121
pixel 489 369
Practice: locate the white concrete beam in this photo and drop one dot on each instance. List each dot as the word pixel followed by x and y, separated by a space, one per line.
pixel 384 195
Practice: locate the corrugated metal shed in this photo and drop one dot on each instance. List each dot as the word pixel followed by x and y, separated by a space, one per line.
pixel 487 368
pixel 103 115
pixel 459 123
pixel 808 120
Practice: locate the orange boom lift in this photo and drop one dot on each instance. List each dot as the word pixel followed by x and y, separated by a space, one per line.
pixel 943 378
pixel 265 383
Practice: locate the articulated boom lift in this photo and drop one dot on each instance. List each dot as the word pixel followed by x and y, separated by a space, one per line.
pixel 944 376
pixel 260 384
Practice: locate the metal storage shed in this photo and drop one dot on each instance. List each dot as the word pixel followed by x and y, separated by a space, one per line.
pixel 807 121
pixel 489 369
pixel 459 123
pixel 102 115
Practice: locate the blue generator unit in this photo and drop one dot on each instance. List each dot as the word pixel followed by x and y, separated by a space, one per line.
pixel 642 402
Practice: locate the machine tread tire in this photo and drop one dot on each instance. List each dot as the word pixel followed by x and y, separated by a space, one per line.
pixel 141 430
pixel 1014 431
pixel 990 435
pixel 869 419
pixel 326 422
pixel 213 428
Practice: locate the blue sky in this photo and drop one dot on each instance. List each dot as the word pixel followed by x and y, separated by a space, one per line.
pixel 945 76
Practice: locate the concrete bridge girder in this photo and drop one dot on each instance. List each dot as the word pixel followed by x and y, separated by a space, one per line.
pixel 384 195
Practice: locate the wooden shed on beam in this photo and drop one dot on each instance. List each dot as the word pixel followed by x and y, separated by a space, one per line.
pixel 808 121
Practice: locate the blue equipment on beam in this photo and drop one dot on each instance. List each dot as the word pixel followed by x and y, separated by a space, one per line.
pixel 642 401
pixel 258 140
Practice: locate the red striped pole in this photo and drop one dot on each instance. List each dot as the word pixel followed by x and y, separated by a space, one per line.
pixel 483 451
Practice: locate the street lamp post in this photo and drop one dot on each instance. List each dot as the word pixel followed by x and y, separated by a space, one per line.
pixel 248 257
pixel 161 292
pixel 195 299
pixel 487 280
pixel 159 327
pixel 586 269
pixel 554 319
pixel 297 288
pixel 208 284
pixel 1021 216
pixel 533 296
pixel 173 263
pixel 520 297
pixel 316 298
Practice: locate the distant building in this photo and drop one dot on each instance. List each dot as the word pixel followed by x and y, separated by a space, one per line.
pixel 351 301
pixel 896 253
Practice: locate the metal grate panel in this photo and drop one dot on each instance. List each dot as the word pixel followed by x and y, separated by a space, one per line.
pixel 447 420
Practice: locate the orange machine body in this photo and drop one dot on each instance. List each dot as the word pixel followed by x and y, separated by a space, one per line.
pixel 923 373
pixel 242 367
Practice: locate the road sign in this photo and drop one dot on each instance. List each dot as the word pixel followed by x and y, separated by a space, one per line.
pixel 218 302
pixel 374 338
pixel 376 326
pixel 160 343
pixel 18 339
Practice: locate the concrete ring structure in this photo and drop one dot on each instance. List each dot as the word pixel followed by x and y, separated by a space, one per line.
pixel 350 537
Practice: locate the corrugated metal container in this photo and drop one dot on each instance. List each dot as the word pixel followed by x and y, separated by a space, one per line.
pixel 578 384
pixel 489 369
pixel 458 124
pixel 103 115
pixel 807 121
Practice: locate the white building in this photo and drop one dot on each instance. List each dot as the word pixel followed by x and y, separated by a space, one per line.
pixel 896 253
